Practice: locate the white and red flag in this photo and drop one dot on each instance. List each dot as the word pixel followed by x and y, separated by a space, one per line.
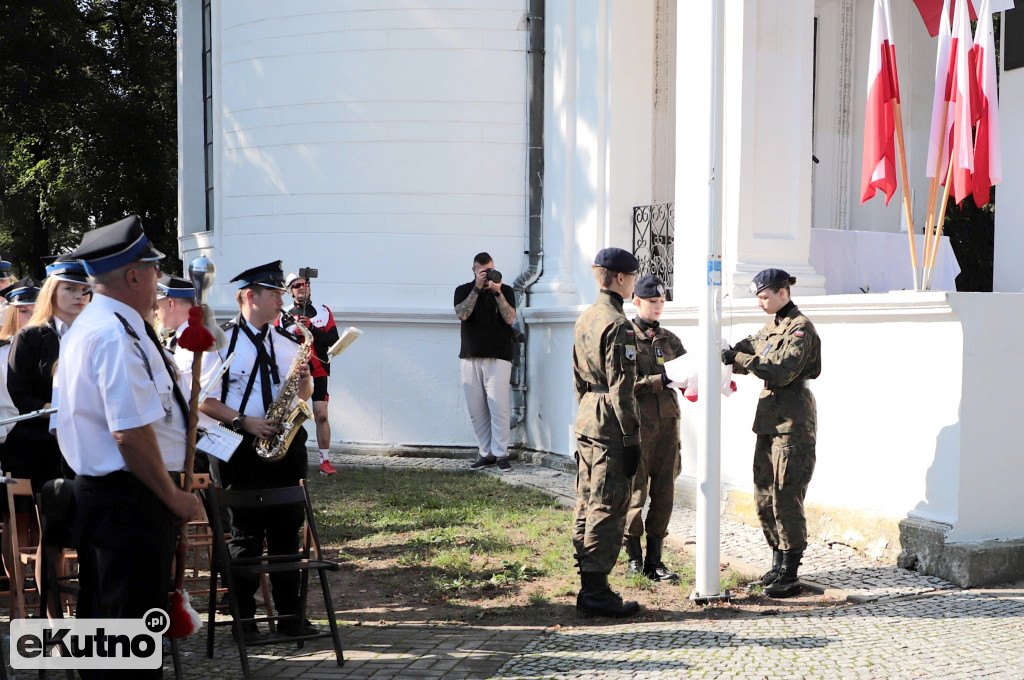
pixel 931 11
pixel 879 166
pixel 988 159
pixel 965 102
pixel 942 106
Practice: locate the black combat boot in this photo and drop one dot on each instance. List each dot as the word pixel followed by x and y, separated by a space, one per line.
pixel 788 583
pixel 597 599
pixel 635 553
pixel 654 568
pixel 772 575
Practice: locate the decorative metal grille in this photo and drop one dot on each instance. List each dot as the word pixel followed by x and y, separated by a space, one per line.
pixel 654 239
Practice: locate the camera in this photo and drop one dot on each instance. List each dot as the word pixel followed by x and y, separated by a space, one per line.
pixel 308 273
pixel 494 275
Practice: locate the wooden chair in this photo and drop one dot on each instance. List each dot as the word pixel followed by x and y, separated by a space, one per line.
pixel 22 533
pixel 309 559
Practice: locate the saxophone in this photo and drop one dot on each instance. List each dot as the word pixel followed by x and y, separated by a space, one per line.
pixel 274 448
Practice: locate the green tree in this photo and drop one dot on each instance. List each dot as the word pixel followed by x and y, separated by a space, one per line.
pixel 87 122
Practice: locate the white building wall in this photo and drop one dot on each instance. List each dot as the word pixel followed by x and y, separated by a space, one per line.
pixel 385 145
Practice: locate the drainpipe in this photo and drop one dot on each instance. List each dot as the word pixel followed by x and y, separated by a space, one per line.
pixel 535 182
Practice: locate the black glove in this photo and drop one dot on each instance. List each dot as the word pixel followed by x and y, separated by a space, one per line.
pixel 728 356
pixel 631 459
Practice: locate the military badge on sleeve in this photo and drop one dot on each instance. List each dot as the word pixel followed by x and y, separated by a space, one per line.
pixel 631 352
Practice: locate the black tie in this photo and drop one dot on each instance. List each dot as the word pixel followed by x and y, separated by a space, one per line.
pixel 178 396
pixel 264 364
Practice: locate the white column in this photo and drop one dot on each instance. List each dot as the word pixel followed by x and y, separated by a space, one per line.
pixel 1007 274
pixel 768 122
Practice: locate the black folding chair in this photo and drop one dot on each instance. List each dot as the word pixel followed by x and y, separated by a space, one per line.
pixel 309 558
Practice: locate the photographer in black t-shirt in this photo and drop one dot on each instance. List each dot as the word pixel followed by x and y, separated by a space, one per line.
pixel 487 309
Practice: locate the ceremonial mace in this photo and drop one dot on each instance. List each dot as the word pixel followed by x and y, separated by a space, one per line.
pixel 196 338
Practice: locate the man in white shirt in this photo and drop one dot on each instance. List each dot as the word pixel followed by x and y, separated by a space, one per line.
pixel 174 298
pixel 240 399
pixel 121 425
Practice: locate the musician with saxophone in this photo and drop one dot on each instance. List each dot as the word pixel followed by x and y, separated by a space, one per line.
pixel 257 397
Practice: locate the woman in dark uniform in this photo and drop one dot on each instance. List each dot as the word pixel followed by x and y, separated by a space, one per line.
pixel 31 451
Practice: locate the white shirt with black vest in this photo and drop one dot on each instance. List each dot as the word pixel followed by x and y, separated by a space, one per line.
pixel 103 386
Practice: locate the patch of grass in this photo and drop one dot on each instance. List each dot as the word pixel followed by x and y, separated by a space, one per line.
pixel 640 582
pixel 731 581
pixel 458 533
pixel 538 599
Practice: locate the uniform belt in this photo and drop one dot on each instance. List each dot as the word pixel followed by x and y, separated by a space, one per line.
pixel 594 387
pixel 123 477
pixel 795 385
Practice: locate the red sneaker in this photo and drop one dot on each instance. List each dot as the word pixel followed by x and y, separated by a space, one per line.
pixel 326 468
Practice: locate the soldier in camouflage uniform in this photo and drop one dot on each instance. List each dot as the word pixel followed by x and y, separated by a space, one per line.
pixel 786 353
pixel 659 431
pixel 607 432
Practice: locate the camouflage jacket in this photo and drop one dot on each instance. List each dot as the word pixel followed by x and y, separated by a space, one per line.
pixel 652 351
pixel 785 354
pixel 604 373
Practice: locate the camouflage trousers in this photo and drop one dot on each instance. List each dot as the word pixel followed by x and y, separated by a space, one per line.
pixel 783 465
pixel 602 497
pixel 655 477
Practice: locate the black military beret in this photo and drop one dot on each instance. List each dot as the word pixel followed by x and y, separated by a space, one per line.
pixel 617 260
pixel 768 278
pixel 174 287
pixel 115 245
pixel 269 275
pixel 649 286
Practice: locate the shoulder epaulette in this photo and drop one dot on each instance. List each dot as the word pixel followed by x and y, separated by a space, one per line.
pixel 227 325
pixel 290 336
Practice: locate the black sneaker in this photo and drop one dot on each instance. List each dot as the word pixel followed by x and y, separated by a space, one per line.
pixel 483 461
pixel 250 632
pixel 297 628
pixel 504 465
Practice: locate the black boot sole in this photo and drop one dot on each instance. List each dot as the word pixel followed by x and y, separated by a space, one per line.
pixel 782 592
pixel 588 613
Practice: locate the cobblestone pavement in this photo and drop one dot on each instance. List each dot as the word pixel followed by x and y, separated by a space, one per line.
pixel 950 635
pixel 395 651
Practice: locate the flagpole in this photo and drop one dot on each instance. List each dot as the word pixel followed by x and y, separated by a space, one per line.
pixel 901 150
pixel 707 583
pixel 930 241
pixel 942 217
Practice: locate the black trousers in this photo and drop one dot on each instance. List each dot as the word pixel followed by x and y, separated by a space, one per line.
pixel 278 527
pixel 126 538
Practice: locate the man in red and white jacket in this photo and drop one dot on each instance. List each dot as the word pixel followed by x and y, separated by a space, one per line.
pixel 320 322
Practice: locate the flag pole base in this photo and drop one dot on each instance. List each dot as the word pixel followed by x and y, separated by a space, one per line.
pixel 724 596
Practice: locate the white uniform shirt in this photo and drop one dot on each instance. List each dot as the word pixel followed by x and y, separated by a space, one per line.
pixel 278 346
pixel 182 357
pixel 7 407
pixel 103 387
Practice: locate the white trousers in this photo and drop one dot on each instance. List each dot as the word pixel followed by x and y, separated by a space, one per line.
pixel 486 384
